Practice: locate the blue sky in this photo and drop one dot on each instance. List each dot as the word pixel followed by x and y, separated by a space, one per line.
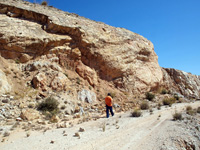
pixel 173 26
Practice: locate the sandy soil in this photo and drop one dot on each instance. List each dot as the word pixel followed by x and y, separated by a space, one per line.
pixel 122 132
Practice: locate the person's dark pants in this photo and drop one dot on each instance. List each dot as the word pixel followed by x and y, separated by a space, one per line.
pixel 109 108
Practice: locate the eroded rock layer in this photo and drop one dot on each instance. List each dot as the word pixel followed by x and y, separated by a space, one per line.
pixel 96 51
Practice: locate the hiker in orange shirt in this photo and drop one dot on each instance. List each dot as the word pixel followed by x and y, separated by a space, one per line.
pixel 108 101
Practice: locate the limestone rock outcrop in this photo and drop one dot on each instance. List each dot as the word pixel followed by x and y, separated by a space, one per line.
pixel 182 82
pixel 87 73
pixel 56 80
pixel 121 57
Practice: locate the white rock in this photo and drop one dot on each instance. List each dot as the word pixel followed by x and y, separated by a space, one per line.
pixel 87 96
pixel 18 119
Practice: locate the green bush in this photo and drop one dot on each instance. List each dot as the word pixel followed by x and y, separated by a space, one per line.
pixel 49 106
pixel 177 116
pixel 169 101
pixel 150 96
pixel 144 106
pixel 136 113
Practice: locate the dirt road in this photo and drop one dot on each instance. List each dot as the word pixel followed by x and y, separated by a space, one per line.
pixel 122 132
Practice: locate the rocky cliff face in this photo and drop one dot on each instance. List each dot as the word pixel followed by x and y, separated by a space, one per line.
pixel 54 50
pixel 182 82
pixel 95 51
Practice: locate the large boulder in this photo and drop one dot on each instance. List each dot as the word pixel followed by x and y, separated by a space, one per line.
pixel 29 114
pixel 87 73
pixel 59 82
pixel 40 81
pixel 55 80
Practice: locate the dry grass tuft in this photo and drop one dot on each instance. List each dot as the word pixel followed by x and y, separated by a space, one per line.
pixel 169 101
pixel 177 116
pixel 144 106
pixel 190 111
pixel 136 113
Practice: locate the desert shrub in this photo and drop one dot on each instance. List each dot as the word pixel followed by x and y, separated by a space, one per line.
pixel 176 97
pixel 144 106
pixel 150 96
pixel 49 106
pixel 136 113
pixel 45 3
pixel 198 110
pixel 163 91
pixel 169 101
pixel 188 108
pixel 177 116
pixel 190 111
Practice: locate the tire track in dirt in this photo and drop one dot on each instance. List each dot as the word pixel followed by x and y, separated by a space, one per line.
pixel 135 131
